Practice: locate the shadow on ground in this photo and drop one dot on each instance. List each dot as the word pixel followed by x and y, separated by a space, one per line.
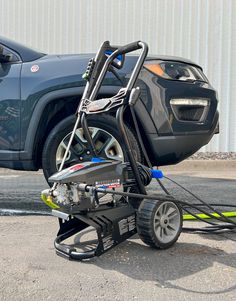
pixel 164 267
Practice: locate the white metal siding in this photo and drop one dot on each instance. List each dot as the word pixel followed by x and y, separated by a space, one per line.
pixel 202 30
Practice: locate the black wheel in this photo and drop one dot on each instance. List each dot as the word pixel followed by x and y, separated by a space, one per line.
pixel 106 137
pixel 159 223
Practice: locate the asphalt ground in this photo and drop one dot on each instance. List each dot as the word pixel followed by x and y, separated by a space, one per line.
pixel 197 267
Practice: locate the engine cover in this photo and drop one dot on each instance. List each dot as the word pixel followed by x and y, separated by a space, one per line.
pixel 91 173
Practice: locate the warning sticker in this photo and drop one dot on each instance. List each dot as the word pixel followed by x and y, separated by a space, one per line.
pixel 127 224
pixel 108 242
pixel 108 184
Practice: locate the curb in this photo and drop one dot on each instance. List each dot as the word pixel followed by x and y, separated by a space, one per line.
pixel 187 165
pixel 200 165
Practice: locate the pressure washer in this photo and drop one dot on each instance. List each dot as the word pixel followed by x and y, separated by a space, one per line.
pixel 110 196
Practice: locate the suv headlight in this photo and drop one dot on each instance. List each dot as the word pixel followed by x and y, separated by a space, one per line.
pixel 176 71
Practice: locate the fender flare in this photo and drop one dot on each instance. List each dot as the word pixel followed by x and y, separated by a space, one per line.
pixel 27 152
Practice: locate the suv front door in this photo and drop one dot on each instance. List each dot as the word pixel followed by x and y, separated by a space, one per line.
pixel 10 70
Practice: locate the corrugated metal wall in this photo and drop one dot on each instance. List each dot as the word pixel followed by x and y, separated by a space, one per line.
pixel 202 30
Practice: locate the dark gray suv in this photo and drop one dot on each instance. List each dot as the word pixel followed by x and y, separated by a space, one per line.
pixel 39 93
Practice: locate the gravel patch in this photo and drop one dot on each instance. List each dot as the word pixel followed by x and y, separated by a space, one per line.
pixel 213 156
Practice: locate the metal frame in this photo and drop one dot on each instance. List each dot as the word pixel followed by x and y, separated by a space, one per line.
pixel 98 82
pixel 112 226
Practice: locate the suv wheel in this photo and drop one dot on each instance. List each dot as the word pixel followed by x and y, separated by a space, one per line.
pixel 104 133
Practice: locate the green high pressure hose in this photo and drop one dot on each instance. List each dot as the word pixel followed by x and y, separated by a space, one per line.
pixel 204 216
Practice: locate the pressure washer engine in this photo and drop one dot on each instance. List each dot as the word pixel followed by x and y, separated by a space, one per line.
pixel 109 196
pixel 112 175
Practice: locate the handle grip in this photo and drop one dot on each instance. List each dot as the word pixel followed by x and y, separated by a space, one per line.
pixel 129 47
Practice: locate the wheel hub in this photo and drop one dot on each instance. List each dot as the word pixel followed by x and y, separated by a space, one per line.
pixel 164 222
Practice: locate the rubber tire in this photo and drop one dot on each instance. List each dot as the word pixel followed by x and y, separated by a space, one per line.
pixel 105 122
pixel 145 228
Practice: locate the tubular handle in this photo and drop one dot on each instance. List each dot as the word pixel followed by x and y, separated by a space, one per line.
pixel 126 49
pixel 102 66
pixel 129 47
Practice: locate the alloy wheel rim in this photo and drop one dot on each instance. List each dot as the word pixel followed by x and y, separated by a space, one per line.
pixel 106 145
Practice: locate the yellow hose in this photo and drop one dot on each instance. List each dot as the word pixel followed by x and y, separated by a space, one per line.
pixel 204 216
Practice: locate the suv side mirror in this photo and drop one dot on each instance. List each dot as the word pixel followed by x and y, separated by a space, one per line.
pixel 5 58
